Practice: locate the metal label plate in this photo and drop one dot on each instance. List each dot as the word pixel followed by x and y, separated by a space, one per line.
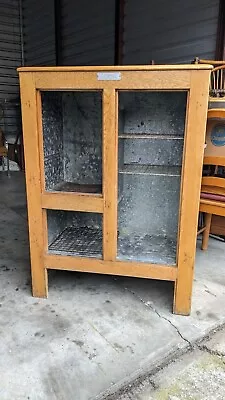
pixel 109 76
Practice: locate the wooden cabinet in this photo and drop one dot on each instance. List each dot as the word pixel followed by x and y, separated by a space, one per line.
pixel 113 170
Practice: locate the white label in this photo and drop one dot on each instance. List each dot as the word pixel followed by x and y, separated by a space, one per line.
pixel 109 76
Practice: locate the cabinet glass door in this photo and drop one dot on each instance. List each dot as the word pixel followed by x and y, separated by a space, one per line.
pixel 151 137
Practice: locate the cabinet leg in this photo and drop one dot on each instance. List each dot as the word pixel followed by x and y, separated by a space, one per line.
pixel 182 297
pixel 40 282
pixel 205 235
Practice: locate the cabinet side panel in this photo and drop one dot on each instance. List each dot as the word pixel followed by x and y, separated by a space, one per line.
pixel 191 185
pixel 33 183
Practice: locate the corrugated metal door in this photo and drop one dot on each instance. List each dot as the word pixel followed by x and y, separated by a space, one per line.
pixel 39 32
pixel 10 56
pixel 169 31
pixel 87 32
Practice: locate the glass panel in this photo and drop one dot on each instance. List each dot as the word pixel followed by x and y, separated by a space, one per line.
pixel 74 233
pixel 151 137
pixel 72 136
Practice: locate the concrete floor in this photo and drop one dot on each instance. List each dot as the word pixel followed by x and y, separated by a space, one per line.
pixel 196 375
pixel 94 333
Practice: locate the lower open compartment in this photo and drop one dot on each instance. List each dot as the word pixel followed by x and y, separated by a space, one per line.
pixel 74 233
pixel 147 248
pixel 148 208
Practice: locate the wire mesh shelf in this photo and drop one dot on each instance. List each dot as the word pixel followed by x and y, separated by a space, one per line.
pixel 78 241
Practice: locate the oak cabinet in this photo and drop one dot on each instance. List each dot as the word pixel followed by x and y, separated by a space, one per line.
pixel 113 170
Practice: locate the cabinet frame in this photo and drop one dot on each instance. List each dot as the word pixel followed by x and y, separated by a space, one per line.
pixel 192 78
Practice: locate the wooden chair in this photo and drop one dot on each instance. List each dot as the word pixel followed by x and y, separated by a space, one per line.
pixel 217 86
pixel 210 62
pixel 217 82
pixel 212 201
pixel 10 151
pixel 3 150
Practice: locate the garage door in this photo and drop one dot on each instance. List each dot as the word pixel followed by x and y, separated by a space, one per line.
pixel 169 31
pixel 87 32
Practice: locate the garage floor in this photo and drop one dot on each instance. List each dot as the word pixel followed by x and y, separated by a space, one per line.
pixel 94 333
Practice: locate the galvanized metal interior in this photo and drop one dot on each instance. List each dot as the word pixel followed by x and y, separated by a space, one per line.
pixel 72 137
pixel 151 138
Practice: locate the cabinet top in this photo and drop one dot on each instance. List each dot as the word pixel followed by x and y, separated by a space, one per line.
pixel 117 68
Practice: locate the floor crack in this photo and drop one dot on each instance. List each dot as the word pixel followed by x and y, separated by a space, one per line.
pixel 149 305
pixel 210 351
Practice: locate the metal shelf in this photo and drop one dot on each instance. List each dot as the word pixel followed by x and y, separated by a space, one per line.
pixel 77 188
pixel 161 170
pixel 78 241
pixel 149 136
pixel 147 248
